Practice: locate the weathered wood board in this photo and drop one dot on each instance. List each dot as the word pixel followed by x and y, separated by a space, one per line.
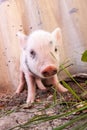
pixel 29 15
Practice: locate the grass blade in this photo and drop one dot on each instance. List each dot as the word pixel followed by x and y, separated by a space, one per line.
pixel 82 126
pixel 71 90
pixel 44 118
pixel 84 56
pixel 71 122
pixel 68 73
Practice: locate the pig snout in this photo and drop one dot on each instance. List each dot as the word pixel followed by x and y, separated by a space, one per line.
pixel 49 71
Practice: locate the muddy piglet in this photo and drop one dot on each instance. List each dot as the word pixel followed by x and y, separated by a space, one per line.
pixel 39 60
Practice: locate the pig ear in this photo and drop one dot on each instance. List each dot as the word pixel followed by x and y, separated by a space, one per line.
pixel 22 38
pixel 57 34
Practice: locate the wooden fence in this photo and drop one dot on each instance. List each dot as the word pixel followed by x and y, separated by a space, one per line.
pixel 29 15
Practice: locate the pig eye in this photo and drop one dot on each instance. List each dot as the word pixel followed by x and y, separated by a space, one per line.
pixel 32 53
pixel 55 49
pixel 51 42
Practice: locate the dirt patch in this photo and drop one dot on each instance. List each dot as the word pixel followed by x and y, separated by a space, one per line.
pixel 12 112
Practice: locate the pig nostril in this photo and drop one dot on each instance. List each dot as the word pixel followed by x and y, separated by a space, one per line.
pixel 49 73
pixel 45 73
pixel 54 72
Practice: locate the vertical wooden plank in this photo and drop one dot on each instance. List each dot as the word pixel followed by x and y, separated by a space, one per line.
pixel 78 12
pixel 73 45
pixel 41 14
pixel 10 23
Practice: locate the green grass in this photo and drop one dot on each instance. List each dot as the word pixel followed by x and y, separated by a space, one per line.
pixel 37 119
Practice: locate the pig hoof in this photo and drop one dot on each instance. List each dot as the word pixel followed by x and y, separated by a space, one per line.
pixel 17 92
pixel 62 89
pixel 44 89
pixel 30 100
pixel 26 105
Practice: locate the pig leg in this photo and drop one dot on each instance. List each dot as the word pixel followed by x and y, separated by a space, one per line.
pixel 21 84
pixel 57 85
pixel 40 84
pixel 31 88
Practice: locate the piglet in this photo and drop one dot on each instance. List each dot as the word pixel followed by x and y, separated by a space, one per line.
pixel 39 61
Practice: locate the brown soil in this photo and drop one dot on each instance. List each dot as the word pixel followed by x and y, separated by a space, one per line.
pixel 13 111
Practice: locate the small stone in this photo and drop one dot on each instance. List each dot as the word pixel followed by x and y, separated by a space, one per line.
pixel 49 112
pixel 50 98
